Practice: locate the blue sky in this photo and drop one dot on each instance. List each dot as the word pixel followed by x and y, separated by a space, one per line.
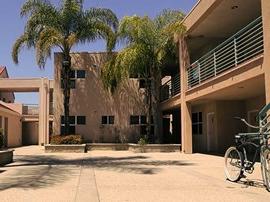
pixel 12 25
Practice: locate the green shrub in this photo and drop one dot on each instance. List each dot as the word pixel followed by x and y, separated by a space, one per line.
pixel 66 139
pixel 143 141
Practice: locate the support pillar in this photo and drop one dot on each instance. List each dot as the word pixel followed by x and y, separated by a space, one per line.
pixel 43 122
pixel 186 122
pixel 266 34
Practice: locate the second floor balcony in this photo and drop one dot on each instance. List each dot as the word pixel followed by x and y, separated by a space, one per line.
pixel 170 88
pixel 239 48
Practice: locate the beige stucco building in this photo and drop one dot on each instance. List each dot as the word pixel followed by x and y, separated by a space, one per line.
pixel 224 72
pixel 96 114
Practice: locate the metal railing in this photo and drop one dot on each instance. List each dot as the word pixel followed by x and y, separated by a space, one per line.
pixel 170 88
pixel 242 46
pixel 33 109
pixel 30 109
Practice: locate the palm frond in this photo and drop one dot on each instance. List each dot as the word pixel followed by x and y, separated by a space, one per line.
pixel 48 39
pixel 19 43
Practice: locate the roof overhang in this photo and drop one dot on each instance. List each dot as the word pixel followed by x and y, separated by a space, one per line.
pixel 216 20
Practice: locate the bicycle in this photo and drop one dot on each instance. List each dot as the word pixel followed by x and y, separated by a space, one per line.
pixel 236 159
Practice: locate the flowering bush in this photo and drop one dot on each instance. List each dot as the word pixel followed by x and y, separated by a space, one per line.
pixel 66 139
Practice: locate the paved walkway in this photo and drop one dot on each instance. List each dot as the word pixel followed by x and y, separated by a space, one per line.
pixel 122 176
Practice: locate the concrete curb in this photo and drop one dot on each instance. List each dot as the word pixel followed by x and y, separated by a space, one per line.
pixel 6 157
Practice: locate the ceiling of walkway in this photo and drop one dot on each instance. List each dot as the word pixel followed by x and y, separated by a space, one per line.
pixel 223 21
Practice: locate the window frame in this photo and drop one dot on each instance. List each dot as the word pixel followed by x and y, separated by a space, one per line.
pixel 107 120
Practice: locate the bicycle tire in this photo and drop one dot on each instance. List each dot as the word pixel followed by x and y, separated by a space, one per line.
pixel 236 173
pixel 266 168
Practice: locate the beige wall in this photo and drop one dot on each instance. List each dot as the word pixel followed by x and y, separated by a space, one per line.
pixel 90 99
pixel 14 126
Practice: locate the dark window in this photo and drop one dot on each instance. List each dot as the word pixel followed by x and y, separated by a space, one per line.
pixel 72 129
pixel 197 123
pixel 134 120
pixel 73 84
pixel 104 120
pixel 111 119
pixel 152 132
pixel 62 120
pixel 200 128
pixel 62 130
pixel 72 120
pixel 142 83
pixel 143 130
pixel 194 117
pixel 143 119
pixel 194 128
pixel 72 74
pixel 200 116
pixel 81 120
pixel 80 74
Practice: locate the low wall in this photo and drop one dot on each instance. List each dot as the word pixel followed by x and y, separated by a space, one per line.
pixel 65 148
pixel 107 146
pixel 6 157
pixel 155 148
pixel 112 147
pixel 134 147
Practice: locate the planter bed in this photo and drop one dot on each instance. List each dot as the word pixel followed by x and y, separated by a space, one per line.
pixel 6 157
pixel 155 148
pixel 107 146
pixel 65 148
pixel 134 147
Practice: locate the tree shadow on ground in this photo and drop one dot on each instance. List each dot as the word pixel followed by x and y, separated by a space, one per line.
pixel 39 171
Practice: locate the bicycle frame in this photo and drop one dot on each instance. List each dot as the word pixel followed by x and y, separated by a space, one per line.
pixel 249 165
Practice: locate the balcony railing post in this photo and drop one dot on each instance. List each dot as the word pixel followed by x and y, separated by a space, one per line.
pixel 215 64
pixel 235 51
pixel 199 72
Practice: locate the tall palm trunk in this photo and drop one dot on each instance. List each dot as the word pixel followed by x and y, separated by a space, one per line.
pixel 66 67
pixel 156 113
pixel 149 108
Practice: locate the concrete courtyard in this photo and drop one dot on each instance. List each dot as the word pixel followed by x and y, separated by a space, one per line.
pixel 122 176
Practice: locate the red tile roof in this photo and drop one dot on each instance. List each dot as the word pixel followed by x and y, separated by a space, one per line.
pixel 6 107
pixel 2 68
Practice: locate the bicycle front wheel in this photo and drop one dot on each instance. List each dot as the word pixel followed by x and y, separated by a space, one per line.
pixel 233 164
pixel 265 160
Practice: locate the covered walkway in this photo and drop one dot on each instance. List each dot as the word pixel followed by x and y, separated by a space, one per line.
pixel 41 85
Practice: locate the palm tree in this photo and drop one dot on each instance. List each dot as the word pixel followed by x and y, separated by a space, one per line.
pixel 62 27
pixel 149 46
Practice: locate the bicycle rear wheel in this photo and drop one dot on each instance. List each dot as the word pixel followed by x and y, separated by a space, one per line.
pixel 233 164
pixel 265 160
